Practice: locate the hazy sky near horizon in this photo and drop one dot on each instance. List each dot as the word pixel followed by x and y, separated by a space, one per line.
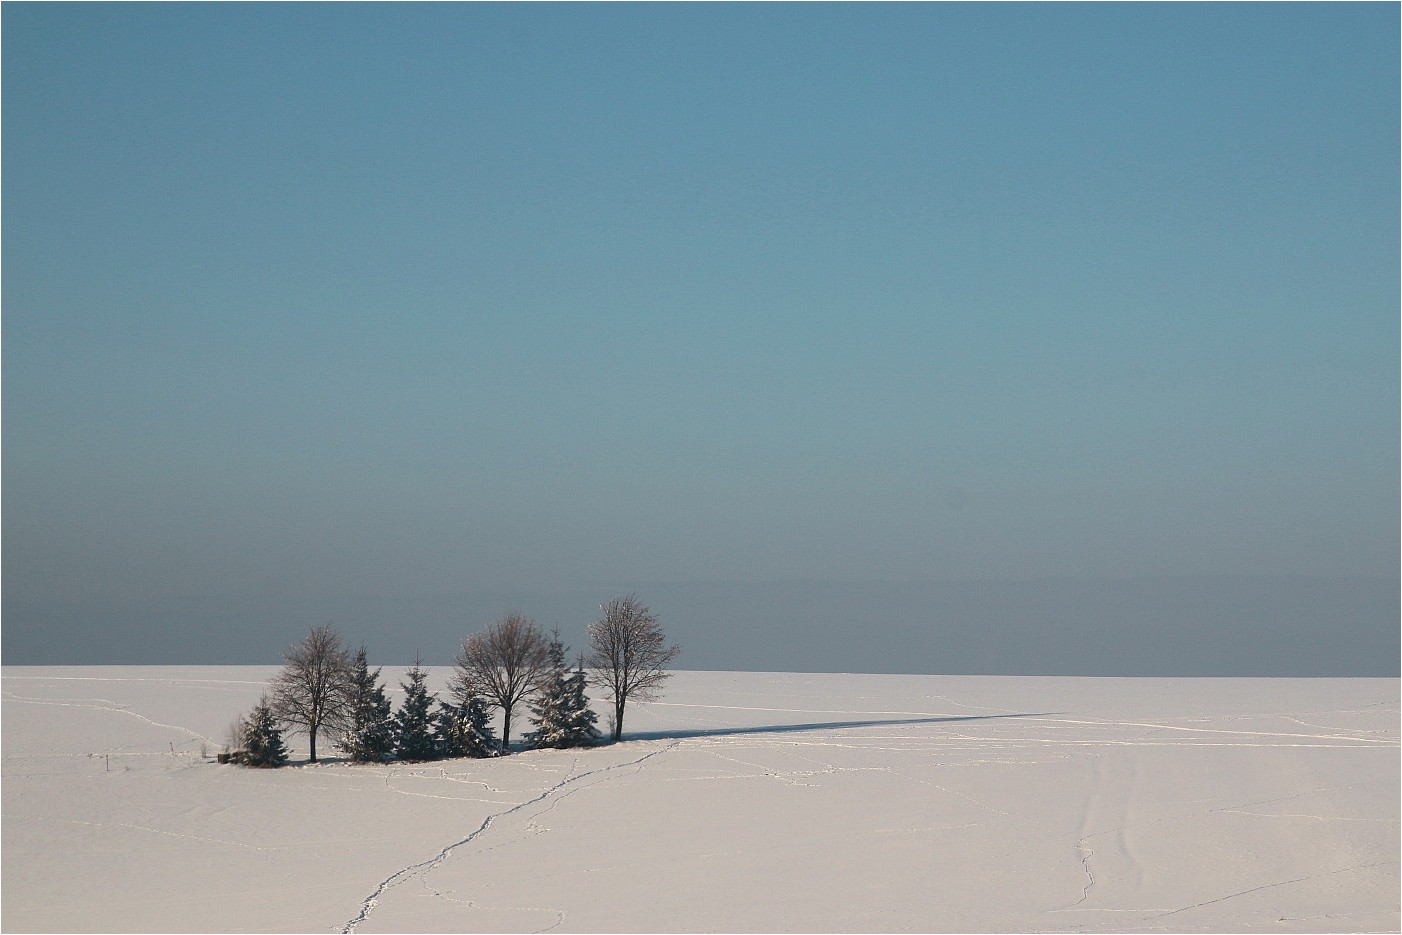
pixel 326 306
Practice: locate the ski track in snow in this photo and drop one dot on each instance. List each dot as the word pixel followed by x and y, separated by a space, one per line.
pixel 559 914
pixel 1268 886
pixel 425 866
pixel 103 678
pixel 110 706
pixel 131 826
pixel 1212 730
pixel 393 773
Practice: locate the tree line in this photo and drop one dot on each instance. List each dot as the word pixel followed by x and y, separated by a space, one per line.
pixel 325 691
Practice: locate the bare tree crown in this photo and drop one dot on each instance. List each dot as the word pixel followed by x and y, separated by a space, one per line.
pixel 313 689
pixel 628 654
pixel 502 663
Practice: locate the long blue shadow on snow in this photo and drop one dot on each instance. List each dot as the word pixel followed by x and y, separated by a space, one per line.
pixel 824 725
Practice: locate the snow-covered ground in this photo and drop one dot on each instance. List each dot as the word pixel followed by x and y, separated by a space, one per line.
pixel 739 802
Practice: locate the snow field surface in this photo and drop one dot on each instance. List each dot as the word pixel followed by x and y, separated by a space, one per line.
pixel 739 801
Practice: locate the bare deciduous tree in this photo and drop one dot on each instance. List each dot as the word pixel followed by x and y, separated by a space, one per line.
pixel 312 691
pixel 503 663
pixel 627 654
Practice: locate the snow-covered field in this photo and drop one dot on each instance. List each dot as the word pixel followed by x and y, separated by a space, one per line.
pixel 739 802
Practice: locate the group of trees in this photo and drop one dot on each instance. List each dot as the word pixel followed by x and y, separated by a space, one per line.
pixel 322 689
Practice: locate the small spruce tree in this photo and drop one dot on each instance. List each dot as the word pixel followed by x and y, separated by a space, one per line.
pixel 561 713
pixel 262 740
pixel 369 735
pixel 580 719
pixel 413 724
pixel 548 710
pixel 480 739
pixel 464 729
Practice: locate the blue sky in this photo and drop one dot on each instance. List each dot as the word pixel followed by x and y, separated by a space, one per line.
pixel 345 311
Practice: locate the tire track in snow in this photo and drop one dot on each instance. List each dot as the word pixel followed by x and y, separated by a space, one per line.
pixel 424 866
pixel 1087 852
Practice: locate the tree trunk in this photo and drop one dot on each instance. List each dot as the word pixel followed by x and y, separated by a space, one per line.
pixel 312 733
pixel 506 730
pixel 618 720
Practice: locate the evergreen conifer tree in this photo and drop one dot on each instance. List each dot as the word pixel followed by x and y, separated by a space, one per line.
pixel 580 719
pixel 548 709
pixel 481 740
pixel 369 735
pixel 262 740
pixel 561 712
pixel 464 729
pixel 413 726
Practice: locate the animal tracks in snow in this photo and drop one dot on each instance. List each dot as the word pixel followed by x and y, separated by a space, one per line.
pixel 425 866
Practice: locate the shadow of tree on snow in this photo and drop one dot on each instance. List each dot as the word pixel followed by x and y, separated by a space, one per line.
pixel 821 725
